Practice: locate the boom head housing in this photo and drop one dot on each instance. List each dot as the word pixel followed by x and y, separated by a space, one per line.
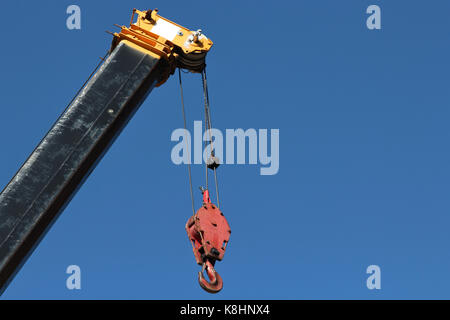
pixel 162 38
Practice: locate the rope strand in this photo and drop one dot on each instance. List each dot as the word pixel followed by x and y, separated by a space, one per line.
pixel 206 128
pixel 209 126
pixel 187 143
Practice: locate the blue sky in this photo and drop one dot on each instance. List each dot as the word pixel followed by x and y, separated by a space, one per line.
pixel 364 159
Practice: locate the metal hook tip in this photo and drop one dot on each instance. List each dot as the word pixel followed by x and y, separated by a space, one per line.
pixel 215 283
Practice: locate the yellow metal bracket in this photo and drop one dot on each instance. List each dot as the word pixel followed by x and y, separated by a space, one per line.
pixel 162 38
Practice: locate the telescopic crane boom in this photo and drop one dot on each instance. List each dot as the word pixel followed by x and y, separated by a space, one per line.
pixel 142 56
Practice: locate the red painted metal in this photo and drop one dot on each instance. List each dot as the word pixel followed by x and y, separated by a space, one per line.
pixel 206 196
pixel 215 282
pixel 209 232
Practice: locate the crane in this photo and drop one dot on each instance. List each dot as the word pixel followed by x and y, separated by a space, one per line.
pixel 142 56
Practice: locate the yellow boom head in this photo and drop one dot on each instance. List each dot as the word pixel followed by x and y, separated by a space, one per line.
pixel 162 38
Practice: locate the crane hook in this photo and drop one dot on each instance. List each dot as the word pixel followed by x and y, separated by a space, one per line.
pixel 215 282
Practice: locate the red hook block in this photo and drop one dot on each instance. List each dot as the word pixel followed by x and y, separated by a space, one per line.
pixel 209 232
